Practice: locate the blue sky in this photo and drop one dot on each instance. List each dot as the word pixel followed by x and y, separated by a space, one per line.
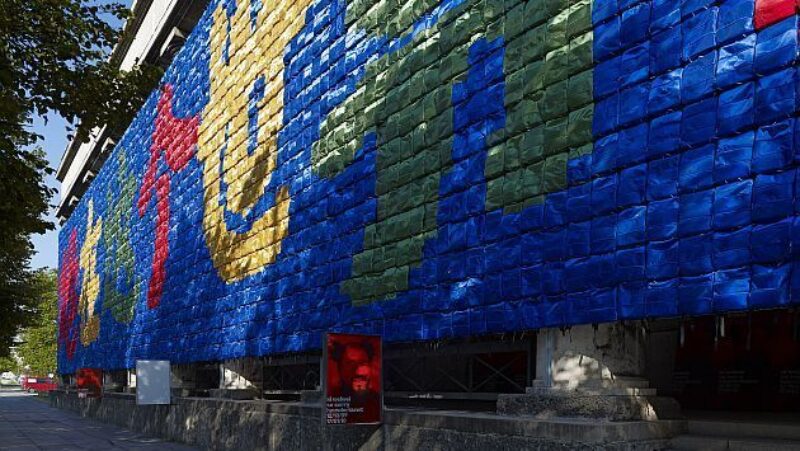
pixel 54 143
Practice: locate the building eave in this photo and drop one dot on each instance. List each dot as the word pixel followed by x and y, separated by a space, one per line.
pixel 132 26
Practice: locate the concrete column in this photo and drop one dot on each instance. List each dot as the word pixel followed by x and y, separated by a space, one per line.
pixel 545 347
pixel 590 358
pixel 131 385
pixel 591 371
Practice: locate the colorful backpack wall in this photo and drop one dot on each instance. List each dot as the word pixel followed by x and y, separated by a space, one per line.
pixel 429 169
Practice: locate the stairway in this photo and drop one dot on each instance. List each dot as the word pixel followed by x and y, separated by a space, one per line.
pixel 755 433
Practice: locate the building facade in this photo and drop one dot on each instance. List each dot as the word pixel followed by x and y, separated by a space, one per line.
pixel 441 170
pixel 154 33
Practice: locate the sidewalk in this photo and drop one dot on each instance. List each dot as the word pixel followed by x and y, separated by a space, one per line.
pixel 30 424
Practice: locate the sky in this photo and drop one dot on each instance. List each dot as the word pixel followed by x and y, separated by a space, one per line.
pixel 54 143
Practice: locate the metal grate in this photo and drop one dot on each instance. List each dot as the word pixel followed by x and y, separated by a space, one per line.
pixel 460 370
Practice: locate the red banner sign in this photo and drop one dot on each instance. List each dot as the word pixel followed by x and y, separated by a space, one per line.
pixel 90 382
pixel 353 379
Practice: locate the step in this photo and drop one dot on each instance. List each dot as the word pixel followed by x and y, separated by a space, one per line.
pixel 709 443
pixel 598 385
pixel 610 391
pixel 579 404
pixel 745 429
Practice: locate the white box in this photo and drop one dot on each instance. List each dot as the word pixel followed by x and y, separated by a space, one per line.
pixel 152 382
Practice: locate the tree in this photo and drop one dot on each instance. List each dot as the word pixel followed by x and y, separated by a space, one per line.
pixel 23 200
pixel 9 364
pixel 39 344
pixel 53 57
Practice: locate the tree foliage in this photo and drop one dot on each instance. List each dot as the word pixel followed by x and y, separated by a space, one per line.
pixel 23 200
pixel 9 364
pixel 53 57
pixel 39 342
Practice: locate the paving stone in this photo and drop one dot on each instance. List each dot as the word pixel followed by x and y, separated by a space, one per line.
pixel 27 423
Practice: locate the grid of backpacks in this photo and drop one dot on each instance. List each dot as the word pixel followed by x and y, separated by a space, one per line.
pixel 458 168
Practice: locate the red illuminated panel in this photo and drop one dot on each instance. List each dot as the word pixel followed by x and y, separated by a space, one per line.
pixel 770 11
pixel 353 391
pixel 91 380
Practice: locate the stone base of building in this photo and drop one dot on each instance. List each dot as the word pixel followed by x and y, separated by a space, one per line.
pixel 605 406
pixel 235 425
